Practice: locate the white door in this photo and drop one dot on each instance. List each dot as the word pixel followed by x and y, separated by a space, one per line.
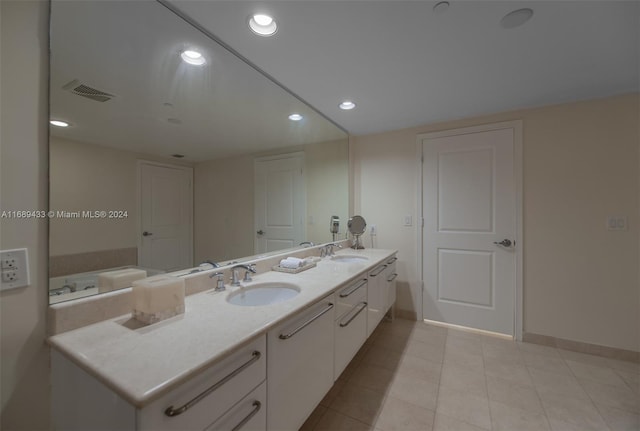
pixel 469 205
pixel 166 208
pixel 280 202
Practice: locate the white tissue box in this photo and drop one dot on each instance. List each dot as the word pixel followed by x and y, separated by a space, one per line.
pixel 157 298
pixel 118 279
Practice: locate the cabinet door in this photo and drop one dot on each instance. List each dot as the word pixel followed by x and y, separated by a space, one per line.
pixel 80 402
pixel 376 297
pixel 300 365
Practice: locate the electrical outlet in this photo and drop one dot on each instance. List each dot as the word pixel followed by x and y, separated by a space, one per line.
pixel 374 230
pixel 9 275
pixel 8 262
pixel 15 268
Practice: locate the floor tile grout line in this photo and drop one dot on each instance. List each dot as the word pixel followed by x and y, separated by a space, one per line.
pixel 593 402
pixel 535 388
pixel 435 409
pixel 486 388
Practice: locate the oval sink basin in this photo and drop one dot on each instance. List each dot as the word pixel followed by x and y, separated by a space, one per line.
pixel 349 258
pixel 263 294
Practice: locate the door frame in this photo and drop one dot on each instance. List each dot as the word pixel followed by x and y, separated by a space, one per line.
pixel 189 170
pixel 516 125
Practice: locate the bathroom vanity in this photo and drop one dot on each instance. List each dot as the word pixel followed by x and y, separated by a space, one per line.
pixel 223 366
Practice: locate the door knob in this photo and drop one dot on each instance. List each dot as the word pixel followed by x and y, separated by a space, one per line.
pixel 504 243
pixel 260 232
pixel 145 233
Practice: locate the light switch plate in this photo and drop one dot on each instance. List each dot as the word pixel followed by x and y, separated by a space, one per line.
pixel 15 268
pixel 408 220
pixel 617 223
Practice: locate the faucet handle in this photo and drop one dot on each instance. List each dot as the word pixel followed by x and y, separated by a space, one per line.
pixel 220 282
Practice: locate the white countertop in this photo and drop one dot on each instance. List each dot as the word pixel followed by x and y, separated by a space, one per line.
pixel 142 364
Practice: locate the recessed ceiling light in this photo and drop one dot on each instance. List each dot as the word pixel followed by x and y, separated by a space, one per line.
pixel 347 104
pixel 193 57
pixel 516 18
pixel 295 117
pixel 59 123
pixel 262 25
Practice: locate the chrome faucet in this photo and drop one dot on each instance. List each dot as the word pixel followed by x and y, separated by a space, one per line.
pixel 327 250
pixel 213 264
pixel 235 278
pixel 309 243
pixel 220 282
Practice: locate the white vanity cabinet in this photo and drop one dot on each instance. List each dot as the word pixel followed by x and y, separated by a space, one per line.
pixel 390 275
pixel 80 402
pixel 300 365
pixel 376 297
pixel 350 324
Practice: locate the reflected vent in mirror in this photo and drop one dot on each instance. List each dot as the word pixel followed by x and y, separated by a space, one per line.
pixel 80 89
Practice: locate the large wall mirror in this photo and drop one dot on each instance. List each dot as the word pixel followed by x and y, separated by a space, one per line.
pixel 171 159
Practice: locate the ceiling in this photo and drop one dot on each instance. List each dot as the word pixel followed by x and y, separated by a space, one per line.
pixel 405 65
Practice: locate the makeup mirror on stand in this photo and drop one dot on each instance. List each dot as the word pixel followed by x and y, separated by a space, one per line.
pixel 357 226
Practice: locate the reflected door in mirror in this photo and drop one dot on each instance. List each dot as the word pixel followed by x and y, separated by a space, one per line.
pixel 280 202
pixel 166 202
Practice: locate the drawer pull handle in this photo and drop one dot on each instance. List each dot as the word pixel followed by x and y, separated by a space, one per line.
pixel 344 294
pixel 393 277
pixel 364 305
pixel 378 270
pixel 305 324
pixel 390 261
pixel 256 408
pixel 170 411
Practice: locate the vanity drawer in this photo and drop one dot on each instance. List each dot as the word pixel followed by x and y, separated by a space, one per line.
pixel 350 334
pixel 250 414
pixel 202 400
pixel 350 295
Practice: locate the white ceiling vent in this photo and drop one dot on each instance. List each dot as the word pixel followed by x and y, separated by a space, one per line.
pixel 84 90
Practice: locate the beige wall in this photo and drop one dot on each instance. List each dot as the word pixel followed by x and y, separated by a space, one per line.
pixel 224 200
pixel 580 165
pixel 23 186
pixel 327 179
pixel 91 177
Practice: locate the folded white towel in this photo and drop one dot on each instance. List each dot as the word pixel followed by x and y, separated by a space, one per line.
pixel 291 262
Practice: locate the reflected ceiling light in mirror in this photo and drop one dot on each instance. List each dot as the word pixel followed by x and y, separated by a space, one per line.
pixel 347 105
pixel 59 123
pixel 516 18
pixel 295 117
pixel 441 7
pixel 193 57
pixel 263 25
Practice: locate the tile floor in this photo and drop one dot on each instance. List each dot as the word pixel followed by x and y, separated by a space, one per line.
pixel 413 376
